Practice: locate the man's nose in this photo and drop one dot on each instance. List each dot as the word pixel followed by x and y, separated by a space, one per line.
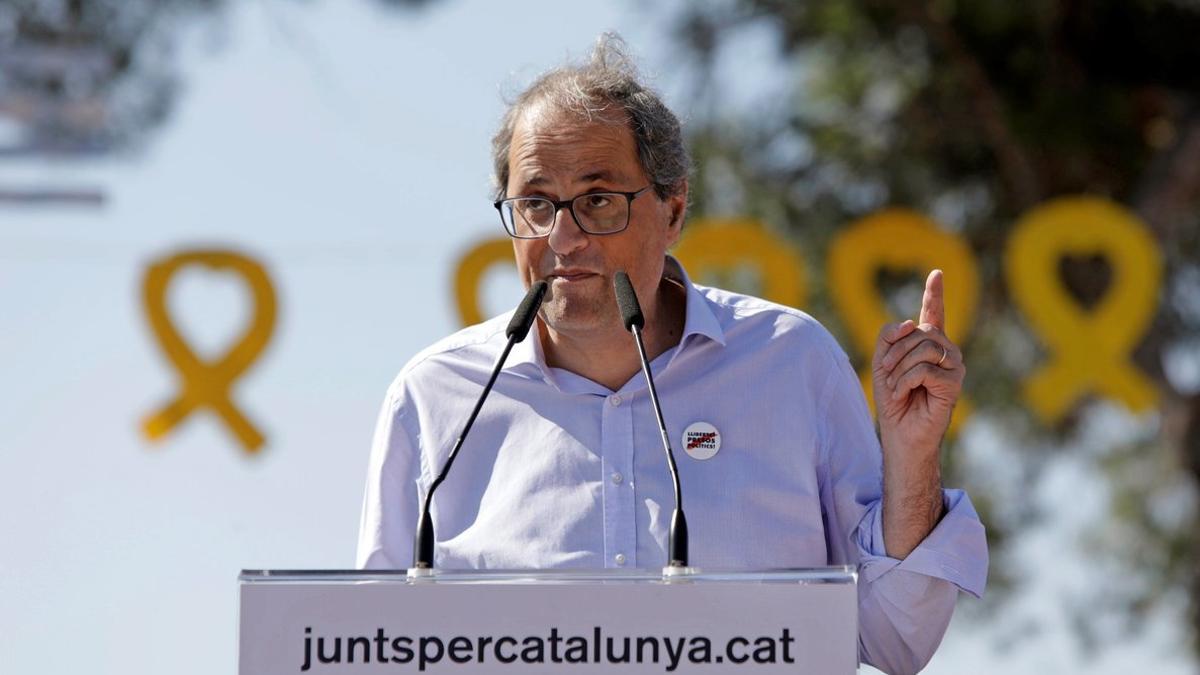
pixel 565 235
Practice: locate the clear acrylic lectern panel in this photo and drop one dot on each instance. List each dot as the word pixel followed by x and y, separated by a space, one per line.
pixel 549 621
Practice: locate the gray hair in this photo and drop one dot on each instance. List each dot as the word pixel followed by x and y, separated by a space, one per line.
pixel 593 90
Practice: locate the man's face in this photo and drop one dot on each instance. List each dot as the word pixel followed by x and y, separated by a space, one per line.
pixel 559 156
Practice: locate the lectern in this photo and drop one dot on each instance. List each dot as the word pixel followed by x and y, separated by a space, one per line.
pixel 549 621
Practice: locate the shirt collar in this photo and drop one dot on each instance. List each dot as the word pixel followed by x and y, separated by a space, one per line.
pixel 527 356
pixel 699 319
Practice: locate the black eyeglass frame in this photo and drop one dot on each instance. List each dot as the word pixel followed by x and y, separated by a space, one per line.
pixel 569 205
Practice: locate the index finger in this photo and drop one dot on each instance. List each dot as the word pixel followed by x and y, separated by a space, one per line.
pixel 933 305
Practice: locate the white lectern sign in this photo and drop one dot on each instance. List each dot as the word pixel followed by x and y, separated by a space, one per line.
pixel 796 621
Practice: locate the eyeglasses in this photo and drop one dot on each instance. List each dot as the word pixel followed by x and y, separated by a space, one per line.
pixel 594 213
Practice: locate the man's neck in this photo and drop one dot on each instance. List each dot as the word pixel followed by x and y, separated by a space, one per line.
pixel 609 357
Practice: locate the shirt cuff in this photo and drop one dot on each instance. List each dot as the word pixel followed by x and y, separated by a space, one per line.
pixel 956 549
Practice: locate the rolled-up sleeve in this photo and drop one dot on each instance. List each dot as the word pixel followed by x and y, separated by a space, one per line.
pixel 904 605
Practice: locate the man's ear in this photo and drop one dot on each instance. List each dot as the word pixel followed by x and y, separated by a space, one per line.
pixel 677 203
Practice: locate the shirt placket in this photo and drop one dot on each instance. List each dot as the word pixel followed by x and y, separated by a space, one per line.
pixel 620 536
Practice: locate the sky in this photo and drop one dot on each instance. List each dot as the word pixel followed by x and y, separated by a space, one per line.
pixel 346 148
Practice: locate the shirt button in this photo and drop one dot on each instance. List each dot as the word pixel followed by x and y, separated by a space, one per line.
pixel 614 400
pixel 617 478
pixel 620 558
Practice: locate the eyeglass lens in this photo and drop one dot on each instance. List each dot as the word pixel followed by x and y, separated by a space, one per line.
pixel 597 213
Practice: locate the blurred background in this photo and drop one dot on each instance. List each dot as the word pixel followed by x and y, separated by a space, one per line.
pixel 303 184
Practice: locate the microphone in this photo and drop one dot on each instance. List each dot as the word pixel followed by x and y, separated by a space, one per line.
pixel 517 329
pixel 631 316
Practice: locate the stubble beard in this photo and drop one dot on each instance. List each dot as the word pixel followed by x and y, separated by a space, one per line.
pixel 578 312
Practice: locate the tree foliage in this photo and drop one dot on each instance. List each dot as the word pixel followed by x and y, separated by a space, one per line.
pixel 973 112
pixel 84 77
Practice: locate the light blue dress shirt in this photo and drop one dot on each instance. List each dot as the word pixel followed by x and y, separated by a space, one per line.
pixel 560 471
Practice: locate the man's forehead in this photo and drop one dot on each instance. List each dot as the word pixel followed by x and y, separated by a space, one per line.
pixel 536 176
pixel 548 140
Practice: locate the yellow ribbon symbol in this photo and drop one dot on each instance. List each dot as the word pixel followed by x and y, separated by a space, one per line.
pixel 469 277
pixel 1090 347
pixel 208 383
pixel 719 252
pixel 900 240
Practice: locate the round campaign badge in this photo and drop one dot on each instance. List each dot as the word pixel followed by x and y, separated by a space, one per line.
pixel 701 440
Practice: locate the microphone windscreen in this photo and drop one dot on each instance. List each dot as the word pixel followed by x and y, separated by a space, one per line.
pixel 631 311
pixel 522 319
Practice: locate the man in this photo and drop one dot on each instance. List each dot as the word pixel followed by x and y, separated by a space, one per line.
pixel 564 467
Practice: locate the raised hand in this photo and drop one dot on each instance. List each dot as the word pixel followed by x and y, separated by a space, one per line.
pixel 917 375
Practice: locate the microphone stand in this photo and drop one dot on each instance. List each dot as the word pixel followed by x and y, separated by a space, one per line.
pixel 631 314
pixel 517 329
